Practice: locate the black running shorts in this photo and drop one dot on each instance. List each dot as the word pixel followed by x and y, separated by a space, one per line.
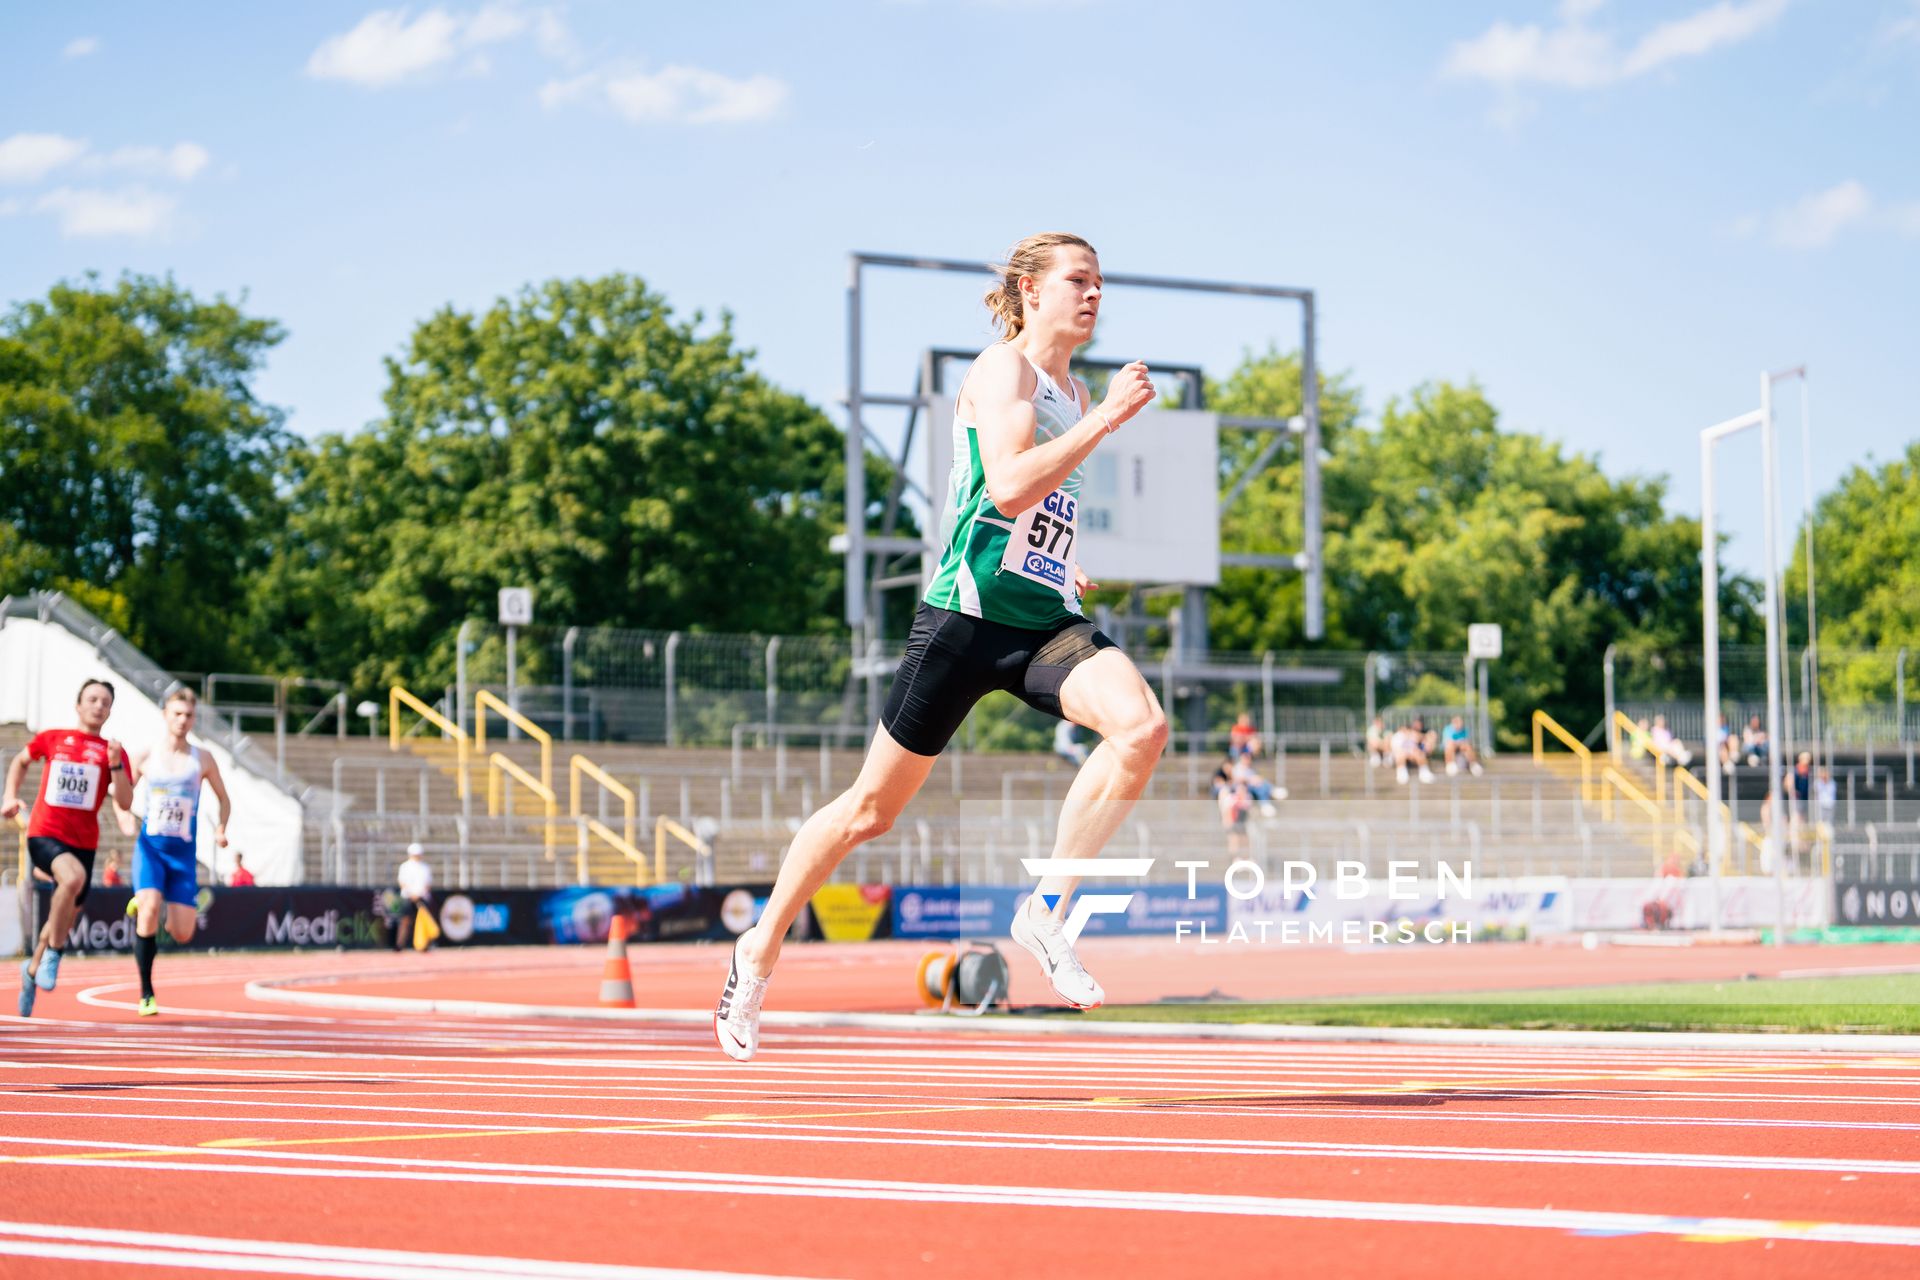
pixel 42 850
pixel 954 660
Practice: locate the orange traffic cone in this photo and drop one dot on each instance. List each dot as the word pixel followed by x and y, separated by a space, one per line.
pixel 616 977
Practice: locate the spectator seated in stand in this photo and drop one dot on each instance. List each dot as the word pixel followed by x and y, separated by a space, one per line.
pixel 1753 742
pixel 1458 748
pixel 1408 749
pixel 1235 802
pixel 1429 740
pixel 1379 743
pixel 1243 739
pixel 1724 746
pixel 1668 746
pixel 241 877
pixel 1262 792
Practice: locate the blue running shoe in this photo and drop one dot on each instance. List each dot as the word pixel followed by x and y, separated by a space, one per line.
pixel 27 990
pixel 49 969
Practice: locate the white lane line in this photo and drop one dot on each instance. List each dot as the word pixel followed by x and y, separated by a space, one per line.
pixel 1535 1118
pixel 97 998
pixel 166 1249
pixel 927 1194
pixel 760 1130
pixel 565 1086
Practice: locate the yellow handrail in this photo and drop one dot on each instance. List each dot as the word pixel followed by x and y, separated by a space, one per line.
pixel 663 826
pixel 1541 720
pixel 398 696
pixel 625 847
pixel 498 764
pixel 578 765
pixel 485 699
pixel 1620 782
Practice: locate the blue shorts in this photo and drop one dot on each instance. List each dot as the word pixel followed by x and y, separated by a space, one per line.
pixel 167 865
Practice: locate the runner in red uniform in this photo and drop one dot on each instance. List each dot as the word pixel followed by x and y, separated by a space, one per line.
pixel 64 830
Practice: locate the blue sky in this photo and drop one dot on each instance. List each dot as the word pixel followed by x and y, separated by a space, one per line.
pixel 1613 215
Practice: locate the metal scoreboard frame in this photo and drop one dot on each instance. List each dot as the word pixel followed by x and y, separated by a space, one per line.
pixel 866 577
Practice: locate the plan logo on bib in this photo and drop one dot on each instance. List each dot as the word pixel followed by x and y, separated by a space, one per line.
pixel 1088 905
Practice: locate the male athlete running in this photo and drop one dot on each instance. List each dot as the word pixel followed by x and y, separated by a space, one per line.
pixel 1002 612
pixel 167 812
pixel 63 833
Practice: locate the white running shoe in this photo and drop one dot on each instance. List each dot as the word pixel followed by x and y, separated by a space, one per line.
pixel 1477 770
pixel 1400 774
pixel 1452 768
pixel 1426 774
pixel 1043 935
pixel 736 1023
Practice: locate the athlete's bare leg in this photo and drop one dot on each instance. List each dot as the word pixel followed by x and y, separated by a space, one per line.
pixel 69 878
pixel 1107 695
pixel 181 920
pixel 889 779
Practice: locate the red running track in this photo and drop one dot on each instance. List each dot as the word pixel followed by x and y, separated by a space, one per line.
pixel 232 1137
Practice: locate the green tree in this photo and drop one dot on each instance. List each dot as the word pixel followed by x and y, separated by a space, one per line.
pixel 136 465
pixel 1868 576
pixel 577 439
pixel 1439 519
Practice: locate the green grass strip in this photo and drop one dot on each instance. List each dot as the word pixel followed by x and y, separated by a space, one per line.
pixel 1881 1004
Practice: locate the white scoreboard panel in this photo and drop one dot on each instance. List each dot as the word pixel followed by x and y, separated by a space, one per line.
pixel 1149 497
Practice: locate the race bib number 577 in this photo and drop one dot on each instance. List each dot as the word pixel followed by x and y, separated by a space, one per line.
pixel 1041 548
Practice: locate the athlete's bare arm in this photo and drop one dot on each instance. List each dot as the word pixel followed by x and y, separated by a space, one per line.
pixel 16 774
pixel 125 818
pixel 1020 472
pixel 210 770
pixel 122 775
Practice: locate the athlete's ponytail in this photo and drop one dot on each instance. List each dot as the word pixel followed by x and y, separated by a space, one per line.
pixel 1031 257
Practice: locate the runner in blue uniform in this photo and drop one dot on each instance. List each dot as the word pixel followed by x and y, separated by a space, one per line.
pixel 167 810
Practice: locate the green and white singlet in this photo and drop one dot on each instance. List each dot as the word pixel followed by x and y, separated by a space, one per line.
pixel 1018 572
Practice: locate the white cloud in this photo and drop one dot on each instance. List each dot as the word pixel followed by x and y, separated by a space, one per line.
pixel 10 207
pixel 673 95
pixel 81 48
pixel 1689 37
pixel 91 212
pixel 29 157
pixel 1575 55
pixel 180 162
pixel 390 46
pixel 1815 221
pixel 386 48
pixel 1904 29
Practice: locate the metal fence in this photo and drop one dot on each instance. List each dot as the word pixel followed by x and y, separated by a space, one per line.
pixel 1863 699
pixel 688 688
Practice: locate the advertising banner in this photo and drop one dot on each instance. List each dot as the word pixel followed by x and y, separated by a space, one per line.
pixel 1867 903
pixel 317 916
pixel 976 911
pixel 1746 902
pixel 853 912
pixel 1540 904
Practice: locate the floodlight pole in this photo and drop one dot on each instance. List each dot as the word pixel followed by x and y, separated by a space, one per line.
pixel 1776 829
pixel 1710 644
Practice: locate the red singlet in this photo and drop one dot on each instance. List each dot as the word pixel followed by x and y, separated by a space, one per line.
pixel 73 786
